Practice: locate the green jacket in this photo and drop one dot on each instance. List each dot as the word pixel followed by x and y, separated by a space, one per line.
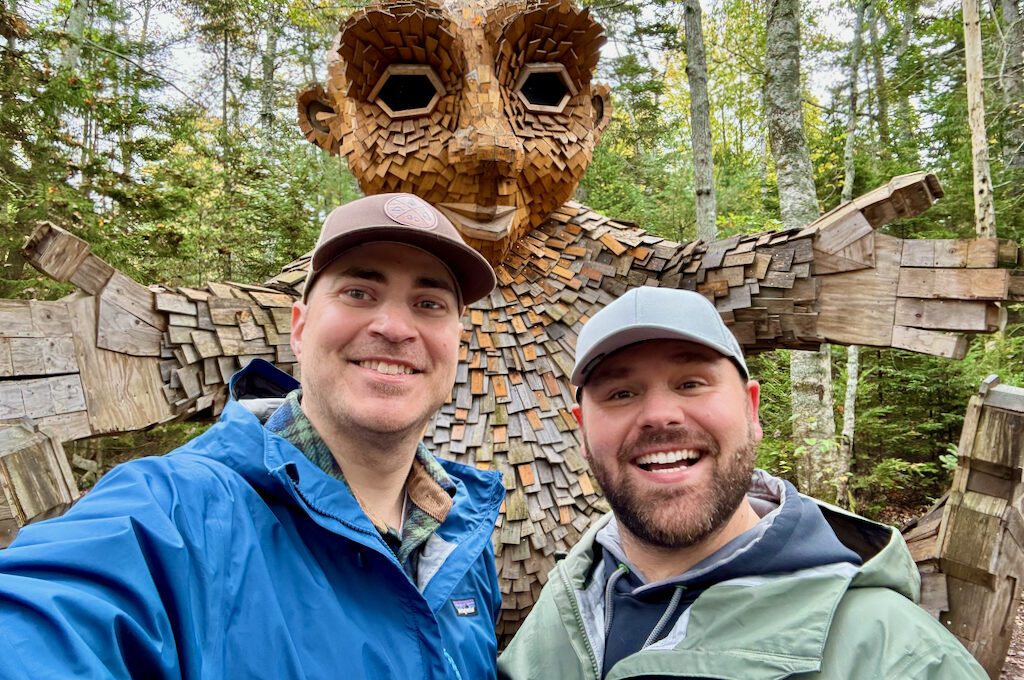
pixel 839 622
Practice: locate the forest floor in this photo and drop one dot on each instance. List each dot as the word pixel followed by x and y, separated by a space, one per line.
pixel 1013 668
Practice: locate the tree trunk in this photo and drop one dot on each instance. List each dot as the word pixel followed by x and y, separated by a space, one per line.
pixel 851 110
pixel 848 437
pixel 700 123
pixel 904 109
pixel 984 211
pixel 1011 80
pixel 12 39
pixel 814 427
pixel 76 28
pixel 845 453
pixel 267 89
pixel 881 88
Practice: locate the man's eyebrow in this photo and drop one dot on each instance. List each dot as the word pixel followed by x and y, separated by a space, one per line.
pixel 357 272
pixel 377 276
pixel 433 282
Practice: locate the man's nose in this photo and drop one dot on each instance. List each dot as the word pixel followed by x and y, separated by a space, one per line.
pixel 393 322
pixel 661 409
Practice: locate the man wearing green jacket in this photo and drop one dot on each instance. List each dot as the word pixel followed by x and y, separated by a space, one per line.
pixel 706 567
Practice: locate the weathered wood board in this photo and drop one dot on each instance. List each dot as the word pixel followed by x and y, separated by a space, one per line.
pixel 35 478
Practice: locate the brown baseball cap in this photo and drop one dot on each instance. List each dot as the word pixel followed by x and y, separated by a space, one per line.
pixel 407 219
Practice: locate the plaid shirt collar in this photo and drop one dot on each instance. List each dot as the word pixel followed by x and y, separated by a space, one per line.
pixel 428 488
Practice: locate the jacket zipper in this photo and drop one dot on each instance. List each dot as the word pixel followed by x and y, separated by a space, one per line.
pixel 340 520
pixel 360 530
pixel 579 621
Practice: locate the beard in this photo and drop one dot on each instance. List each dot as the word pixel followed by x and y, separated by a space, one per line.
pixel 676 517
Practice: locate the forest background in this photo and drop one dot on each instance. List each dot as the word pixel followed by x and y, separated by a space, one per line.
pixel 164 134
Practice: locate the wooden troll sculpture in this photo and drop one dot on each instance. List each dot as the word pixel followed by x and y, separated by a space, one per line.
pixel 488 111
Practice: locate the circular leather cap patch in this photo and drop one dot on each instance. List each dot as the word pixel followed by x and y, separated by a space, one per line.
pixel 411 211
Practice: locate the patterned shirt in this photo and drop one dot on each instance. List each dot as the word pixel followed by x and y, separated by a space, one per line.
pixel 429 489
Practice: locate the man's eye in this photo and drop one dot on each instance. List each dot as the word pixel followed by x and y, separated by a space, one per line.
pixel 431 304
pixel 408 90
pixel 357 294
pixel 620 394
pixel 545 88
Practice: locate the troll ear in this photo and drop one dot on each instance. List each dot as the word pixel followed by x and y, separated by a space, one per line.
pixel 318 120
pixel 601 103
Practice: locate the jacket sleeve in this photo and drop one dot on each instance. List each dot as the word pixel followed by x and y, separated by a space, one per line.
pixel 877 633
pixel 98 593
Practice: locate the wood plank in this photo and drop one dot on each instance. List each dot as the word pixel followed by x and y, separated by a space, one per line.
pixel 121 331
pixel 266 299
pixel 109 377
pixel 92 275
pixel 872 292
pixel 38 356
pixel 50 319
pixel 960 284
pixel 840 230
pixel 55 251
pixel 952 315
pixel 929 342
pixel 134 298
pixel 983 253
pixel 16 319
pixel 6 365
pixel 206 344
pixel 282 319
pixel 172 302
pixel 224 311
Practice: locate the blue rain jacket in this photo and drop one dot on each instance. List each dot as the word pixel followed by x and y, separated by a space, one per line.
pixel 236 557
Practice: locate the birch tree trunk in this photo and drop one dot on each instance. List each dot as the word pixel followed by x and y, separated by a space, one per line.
pixel 851 109
pixel 76 28
pixel 268 91
pixel 814 427
pixel 1011 79
pixel 904 110
pixel 12 37
pixel 845 454
pixel 700 123
pixel 984 211
pixel 881 86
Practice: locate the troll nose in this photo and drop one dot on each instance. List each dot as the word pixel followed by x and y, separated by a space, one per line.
pixel 474 147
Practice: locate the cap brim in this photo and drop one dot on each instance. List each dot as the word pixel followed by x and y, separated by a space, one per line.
pixel 473 274
pixel 623 337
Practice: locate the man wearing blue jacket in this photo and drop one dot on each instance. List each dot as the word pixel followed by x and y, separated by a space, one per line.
pixel 706 567
pixel 326 542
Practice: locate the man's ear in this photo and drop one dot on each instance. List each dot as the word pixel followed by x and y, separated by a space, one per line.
pixel 318 120
pixel 754 395
pixel 577 413
pixel 601 104
pixel 298 325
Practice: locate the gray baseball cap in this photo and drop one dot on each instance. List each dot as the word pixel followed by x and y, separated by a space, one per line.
pixel 653 314
pixel 406 219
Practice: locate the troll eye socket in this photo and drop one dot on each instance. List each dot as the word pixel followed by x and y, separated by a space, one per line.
pixel 407 90
pixel 545 88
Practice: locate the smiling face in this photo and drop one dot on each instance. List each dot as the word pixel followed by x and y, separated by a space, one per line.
pixel 377 341
pixel 483 108
pixel 670 429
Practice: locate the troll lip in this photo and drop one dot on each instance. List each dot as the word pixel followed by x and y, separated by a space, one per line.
pixel 486 223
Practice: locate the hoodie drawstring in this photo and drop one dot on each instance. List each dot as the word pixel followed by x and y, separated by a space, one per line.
pixel 609 600
pixel 666 617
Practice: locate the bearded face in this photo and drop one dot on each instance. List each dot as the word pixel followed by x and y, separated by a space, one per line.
pixel 485 109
